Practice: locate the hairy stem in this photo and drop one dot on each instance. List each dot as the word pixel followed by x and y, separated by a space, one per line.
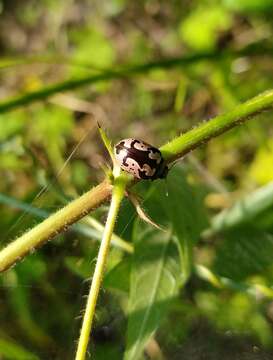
pixel 118 193
pixel 54 224
pixel 176 148
pixel 192 139
pixel 89 226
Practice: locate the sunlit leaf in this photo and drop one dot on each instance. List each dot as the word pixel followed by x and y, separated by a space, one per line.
pixel 154 283
pixel 244 210
pixel 261 169
pixel 185 216
pixel 11 124
pixel 162 260
pixel 200 34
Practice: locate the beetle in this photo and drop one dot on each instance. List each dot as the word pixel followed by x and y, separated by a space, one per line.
pixel 140 159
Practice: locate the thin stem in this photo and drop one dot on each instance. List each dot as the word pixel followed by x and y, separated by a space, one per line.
pixel 54 224
pixel 118 193
pixel 129 71
pixel 194 138
pixel 176 148
pixel 255 49
pixel 117 240
pixel 46 59
pixel 88 226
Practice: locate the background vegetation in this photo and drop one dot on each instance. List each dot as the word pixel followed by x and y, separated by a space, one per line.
pixel 204 58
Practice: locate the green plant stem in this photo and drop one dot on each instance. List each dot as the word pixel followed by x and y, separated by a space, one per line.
pixel 221 282
pixel 194 138
pixel 128 71
pixel 256 49
pixel 118 241
pixel 54 224
pixel 89 226
pixel 171 151
pixel 10 62
pixel 118 194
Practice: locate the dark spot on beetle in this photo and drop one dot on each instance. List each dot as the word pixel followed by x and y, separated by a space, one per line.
pixel 142 158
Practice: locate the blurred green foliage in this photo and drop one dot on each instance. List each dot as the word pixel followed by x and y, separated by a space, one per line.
pixel 47 42
pixel 203 35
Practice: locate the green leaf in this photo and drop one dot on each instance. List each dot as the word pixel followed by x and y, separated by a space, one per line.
pixel 264 220
pixel 244 210
pixel 154 283
pixel 238 313
pixel 261 170
pixel 13 351
pixel 118 278
pixel 11 124
pixel 19 299
pixel 11 161
pixel 202 35
pixel 177 205
pixel 93 46
pixel 81 267
pixel 244 252
pixel 185 216
pixel 162 261
pixel 105 350
pixel 125 222
pixel 33 269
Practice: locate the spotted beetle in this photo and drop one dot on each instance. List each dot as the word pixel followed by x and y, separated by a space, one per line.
pixel 140 159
